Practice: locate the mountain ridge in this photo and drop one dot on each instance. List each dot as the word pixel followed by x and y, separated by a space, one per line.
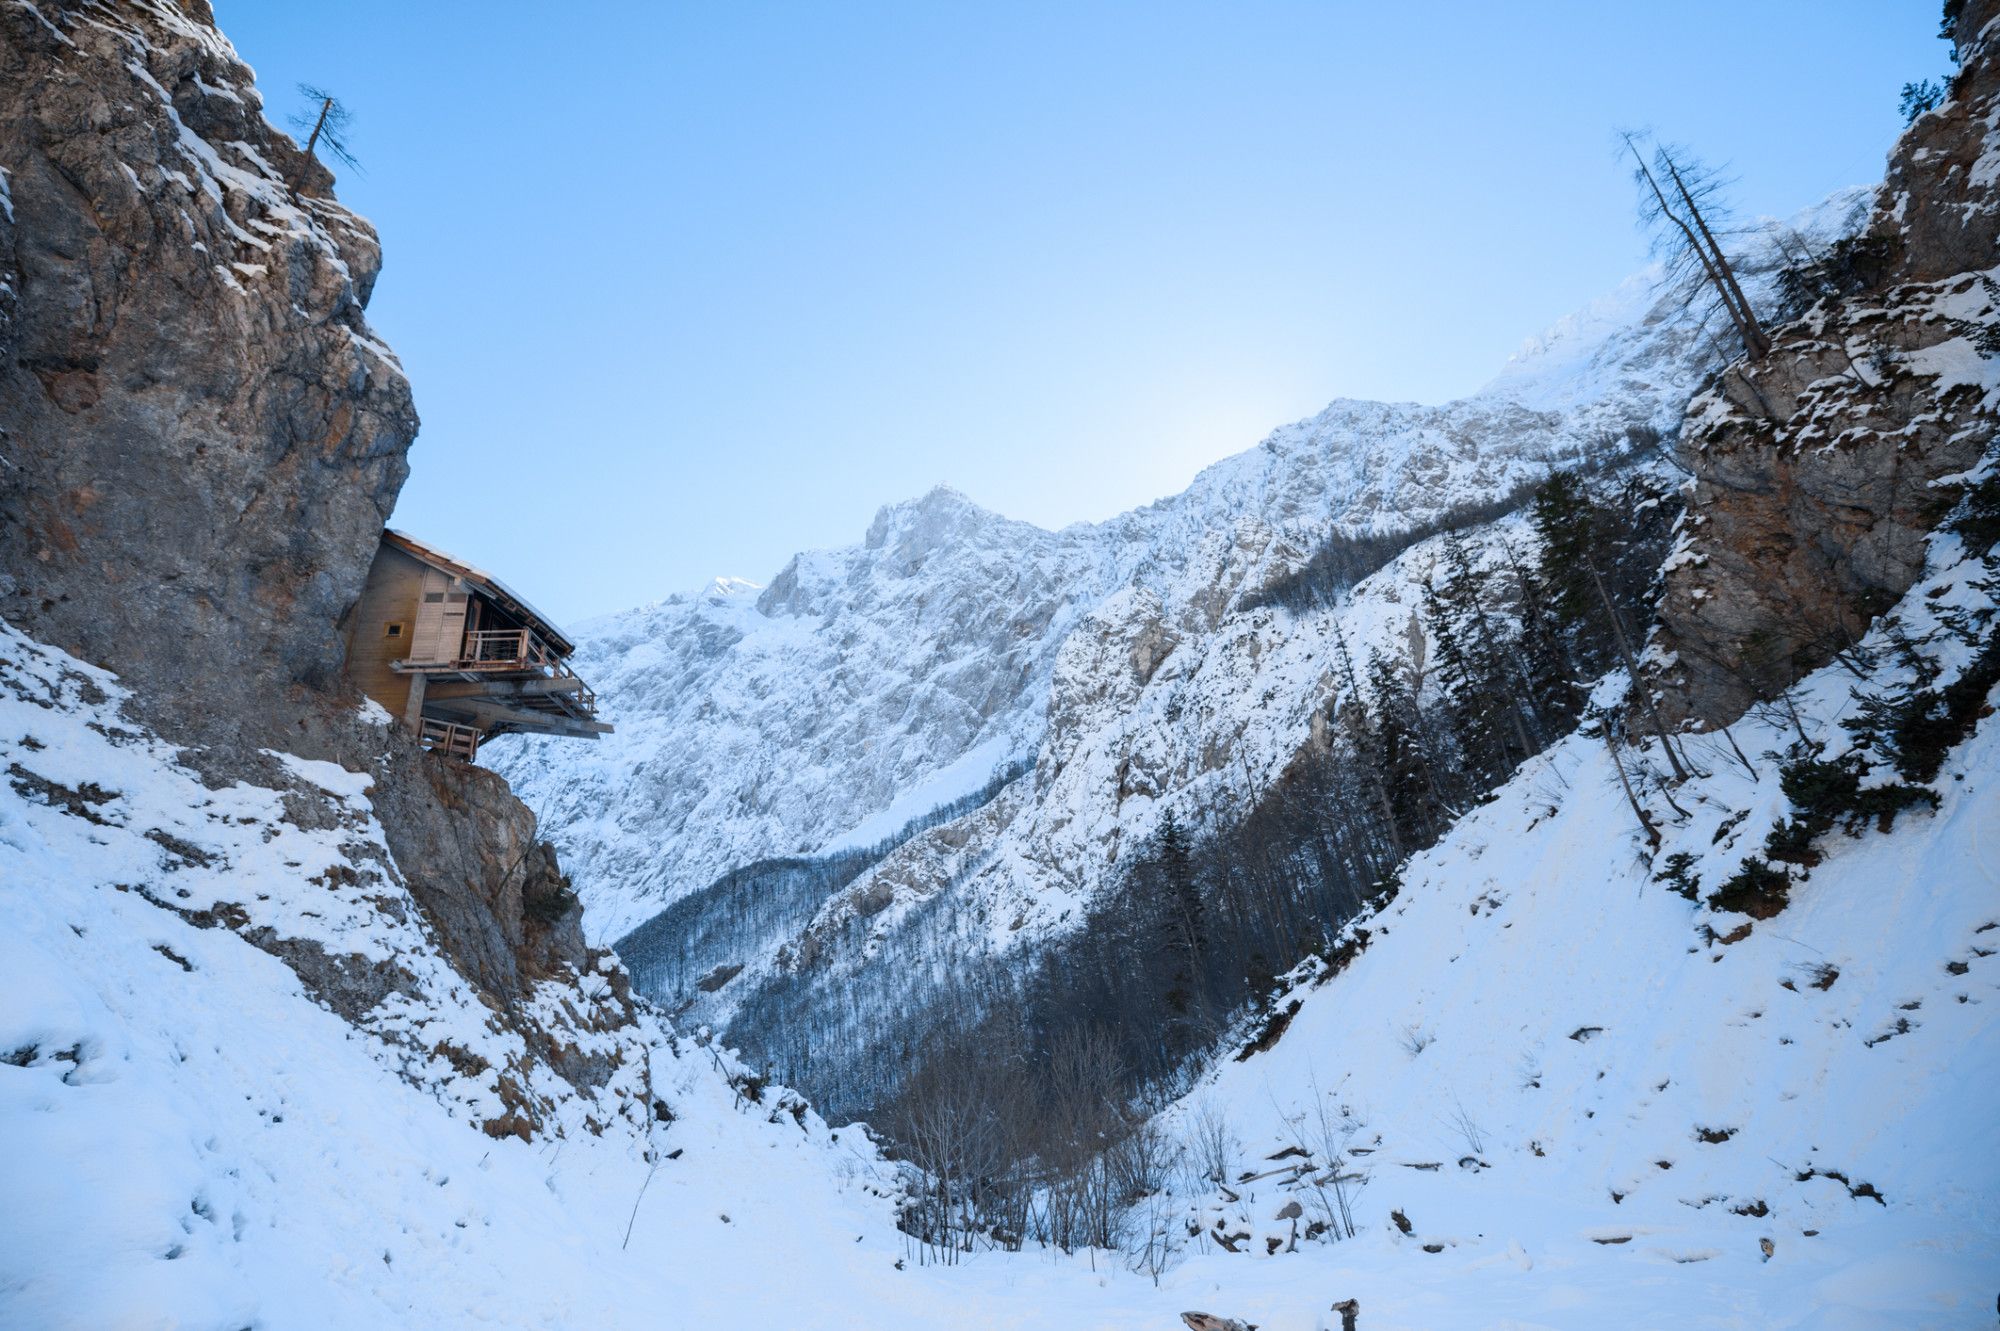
pixel 1356 467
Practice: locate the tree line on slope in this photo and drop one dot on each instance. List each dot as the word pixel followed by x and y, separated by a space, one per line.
pixel 1209 916
pixel 1034 1123
pixel 688 948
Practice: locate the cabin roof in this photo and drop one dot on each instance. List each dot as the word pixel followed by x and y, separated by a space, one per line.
pixel 486 585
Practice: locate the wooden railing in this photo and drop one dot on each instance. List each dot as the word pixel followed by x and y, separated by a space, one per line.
pixel 523 649
pixel 507 649
pixel 450 739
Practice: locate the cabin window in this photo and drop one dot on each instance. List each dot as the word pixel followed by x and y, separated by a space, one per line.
pixel 392 631
pixel 433 598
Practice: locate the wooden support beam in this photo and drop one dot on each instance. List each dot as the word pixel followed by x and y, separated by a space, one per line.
pixel 489 716
pixel 507 688
pixel 413 711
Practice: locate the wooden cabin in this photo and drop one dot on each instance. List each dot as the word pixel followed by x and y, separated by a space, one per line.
pixel 458 657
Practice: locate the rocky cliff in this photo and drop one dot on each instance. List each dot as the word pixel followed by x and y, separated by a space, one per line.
pixel 1821 467
pixel 200 440
pixel 204 437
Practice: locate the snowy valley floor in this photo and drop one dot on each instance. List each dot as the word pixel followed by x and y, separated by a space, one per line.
pixel 1612 1121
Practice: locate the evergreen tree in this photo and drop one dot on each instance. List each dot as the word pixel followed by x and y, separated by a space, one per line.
pixel 1458 681
pixel 1354 731
pixel 1574 549
pixel 1400 753
pixel 1478 658
pixel 1549 672
pixel 1565 523
pixel 1183 927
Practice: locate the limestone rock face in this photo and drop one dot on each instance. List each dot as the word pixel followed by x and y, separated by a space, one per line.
pixel 1817 468
pixel 203 437
pixel 1941 194
pixel 200 440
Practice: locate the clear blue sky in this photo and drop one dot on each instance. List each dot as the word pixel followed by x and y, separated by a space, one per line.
pixel 686 287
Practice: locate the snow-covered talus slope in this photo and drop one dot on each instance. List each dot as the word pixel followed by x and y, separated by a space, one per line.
pixel 1552 1069
pixel 866 684
pixel 240 1084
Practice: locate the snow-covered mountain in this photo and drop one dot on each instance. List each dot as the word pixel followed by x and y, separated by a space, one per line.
pixel 1127 665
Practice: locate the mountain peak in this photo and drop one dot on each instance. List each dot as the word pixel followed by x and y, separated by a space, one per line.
pixel 928 522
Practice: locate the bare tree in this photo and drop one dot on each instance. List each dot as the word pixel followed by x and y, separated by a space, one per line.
pixel 1680 201
pixel 1606 723
pixel 944 1126
pixel 1083 1116
pixel 326 122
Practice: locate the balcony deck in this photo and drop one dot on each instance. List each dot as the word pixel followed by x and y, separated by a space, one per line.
pixel 514 665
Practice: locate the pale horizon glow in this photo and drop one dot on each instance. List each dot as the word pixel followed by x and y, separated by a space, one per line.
pixel 685 289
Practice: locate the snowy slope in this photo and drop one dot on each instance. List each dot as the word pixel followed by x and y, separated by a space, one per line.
pixel 1549 1066
pixel 191 1140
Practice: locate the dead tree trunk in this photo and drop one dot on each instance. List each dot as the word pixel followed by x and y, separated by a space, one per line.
pixel 1632 671
pixel 1755 339
pixel 319 124
pixel 1625 783
pixel 1755 343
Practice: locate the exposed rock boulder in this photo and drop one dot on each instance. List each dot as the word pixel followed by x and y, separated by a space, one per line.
pixel 1818 469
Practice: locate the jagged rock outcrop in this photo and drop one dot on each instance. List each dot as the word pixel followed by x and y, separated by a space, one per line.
pixel 200 440
pixel 1818 469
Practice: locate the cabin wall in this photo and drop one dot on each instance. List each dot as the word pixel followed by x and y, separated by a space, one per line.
pixel 392 595
pixel 440 618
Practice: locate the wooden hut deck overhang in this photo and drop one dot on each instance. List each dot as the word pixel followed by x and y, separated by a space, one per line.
pixel 460 657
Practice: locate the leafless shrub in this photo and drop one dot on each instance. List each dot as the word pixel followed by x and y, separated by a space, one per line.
pixel 1460 1120
pixel 1212 1146
pixel 945 1127
pixel 1154 1239
pixel 1335 1184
